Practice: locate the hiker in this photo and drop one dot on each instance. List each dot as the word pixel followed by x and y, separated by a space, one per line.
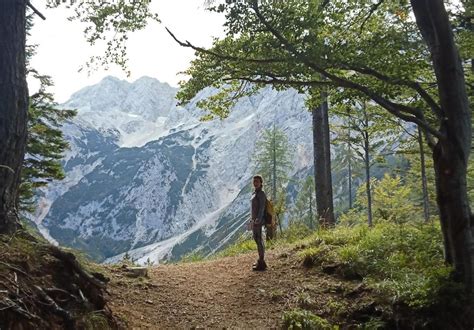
pixel 257 221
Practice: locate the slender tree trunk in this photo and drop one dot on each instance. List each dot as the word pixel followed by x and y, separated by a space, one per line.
pixel 274 162
pixel 13 109
pixel 426 207
pixel 322 164
pixel 365 135
pixel 311 216
pixel 271 230
pixel 349 165
pixel 367 178
pixel 349 179
pixel 451 153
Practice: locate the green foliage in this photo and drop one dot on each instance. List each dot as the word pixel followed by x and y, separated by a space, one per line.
pixel 392 201
pixel 403 262
pixel 243 244
pixel 295 232
pixel 470 181
pixel 149 263
pixel 374 324
pixel 305 320
pixel 413 175
pixel 194 256
pixel 295 43
pixel 94 321
pixel 127 260
pixel 273 161
pixel 45 143
pixel 108 24
pixel 304 210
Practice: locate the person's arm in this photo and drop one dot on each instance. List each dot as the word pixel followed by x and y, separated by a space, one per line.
pixel 261 207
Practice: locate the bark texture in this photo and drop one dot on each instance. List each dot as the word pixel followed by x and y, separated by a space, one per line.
pixel 322 164
pixel 451 153
pixel 366 138
pixel 424 181
pixel 13 108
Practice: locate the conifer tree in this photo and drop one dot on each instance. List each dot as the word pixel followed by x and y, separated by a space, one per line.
pixel 45 143
pixel 272 157
pixel 304 209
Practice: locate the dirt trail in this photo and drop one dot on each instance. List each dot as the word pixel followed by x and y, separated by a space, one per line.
pixel 222 293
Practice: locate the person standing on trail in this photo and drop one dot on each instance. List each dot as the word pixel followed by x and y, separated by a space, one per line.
pixel 257 221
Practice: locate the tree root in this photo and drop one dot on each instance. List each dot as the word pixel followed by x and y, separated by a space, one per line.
pixel 70 259
pixel 56 309
pixel 18 309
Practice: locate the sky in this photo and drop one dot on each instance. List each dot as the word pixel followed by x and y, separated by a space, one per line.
pixel 62 48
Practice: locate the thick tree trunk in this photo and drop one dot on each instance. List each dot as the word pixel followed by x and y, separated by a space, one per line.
pixel 322 164
pixel 13 108
pixel 424 182
pixel 451 154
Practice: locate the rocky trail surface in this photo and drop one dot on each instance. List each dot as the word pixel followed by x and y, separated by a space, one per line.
pixel 226 293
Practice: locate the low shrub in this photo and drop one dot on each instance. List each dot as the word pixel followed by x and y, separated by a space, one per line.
pixel 403 262
pixel 305 320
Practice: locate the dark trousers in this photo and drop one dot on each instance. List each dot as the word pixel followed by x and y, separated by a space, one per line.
pixel 257 236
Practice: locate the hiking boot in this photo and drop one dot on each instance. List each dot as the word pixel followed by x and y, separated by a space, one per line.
pixel 260 266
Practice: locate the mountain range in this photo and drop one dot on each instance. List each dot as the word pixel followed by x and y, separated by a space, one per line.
pixel 147 177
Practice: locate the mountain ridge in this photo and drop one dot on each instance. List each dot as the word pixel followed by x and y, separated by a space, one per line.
pixel 107 208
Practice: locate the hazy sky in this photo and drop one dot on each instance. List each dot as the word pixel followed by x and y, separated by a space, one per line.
pixel 62 47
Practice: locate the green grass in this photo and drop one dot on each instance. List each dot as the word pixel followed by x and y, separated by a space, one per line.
pixel 194 256
pixel 403 263
pixel 305 320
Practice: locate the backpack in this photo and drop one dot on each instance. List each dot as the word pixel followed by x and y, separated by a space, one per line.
pixel 269 213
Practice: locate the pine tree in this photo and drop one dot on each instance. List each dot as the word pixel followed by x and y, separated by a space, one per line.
pixel 45 143
pixel 305 205
pixel 273 161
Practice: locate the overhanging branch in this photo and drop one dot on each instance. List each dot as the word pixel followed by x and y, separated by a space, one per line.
pixel 404 112
pixel 395 81
pixel 278 81
pixel 225 57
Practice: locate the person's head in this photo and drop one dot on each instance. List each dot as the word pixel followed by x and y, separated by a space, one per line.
pixel 257 181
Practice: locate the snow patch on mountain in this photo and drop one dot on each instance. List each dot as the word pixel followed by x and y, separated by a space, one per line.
pixel 146 175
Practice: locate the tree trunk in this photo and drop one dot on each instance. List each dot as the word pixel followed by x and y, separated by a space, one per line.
pixel 322 164
pixel 349 174
pixel 13 109
pixel 365 135
pixel 311 216
pixel 451 153
pixel 424 185
pixel 349 163
pixel 274 161
pixel 367 178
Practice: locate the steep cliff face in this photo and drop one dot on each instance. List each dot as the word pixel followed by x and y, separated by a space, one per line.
pixel 146 175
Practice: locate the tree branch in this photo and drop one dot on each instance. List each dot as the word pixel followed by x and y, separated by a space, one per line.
pixel 36 11
pixel 187 44
pixel 404 112
pixel 277 81
pixel 395 81
pixel 375 6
